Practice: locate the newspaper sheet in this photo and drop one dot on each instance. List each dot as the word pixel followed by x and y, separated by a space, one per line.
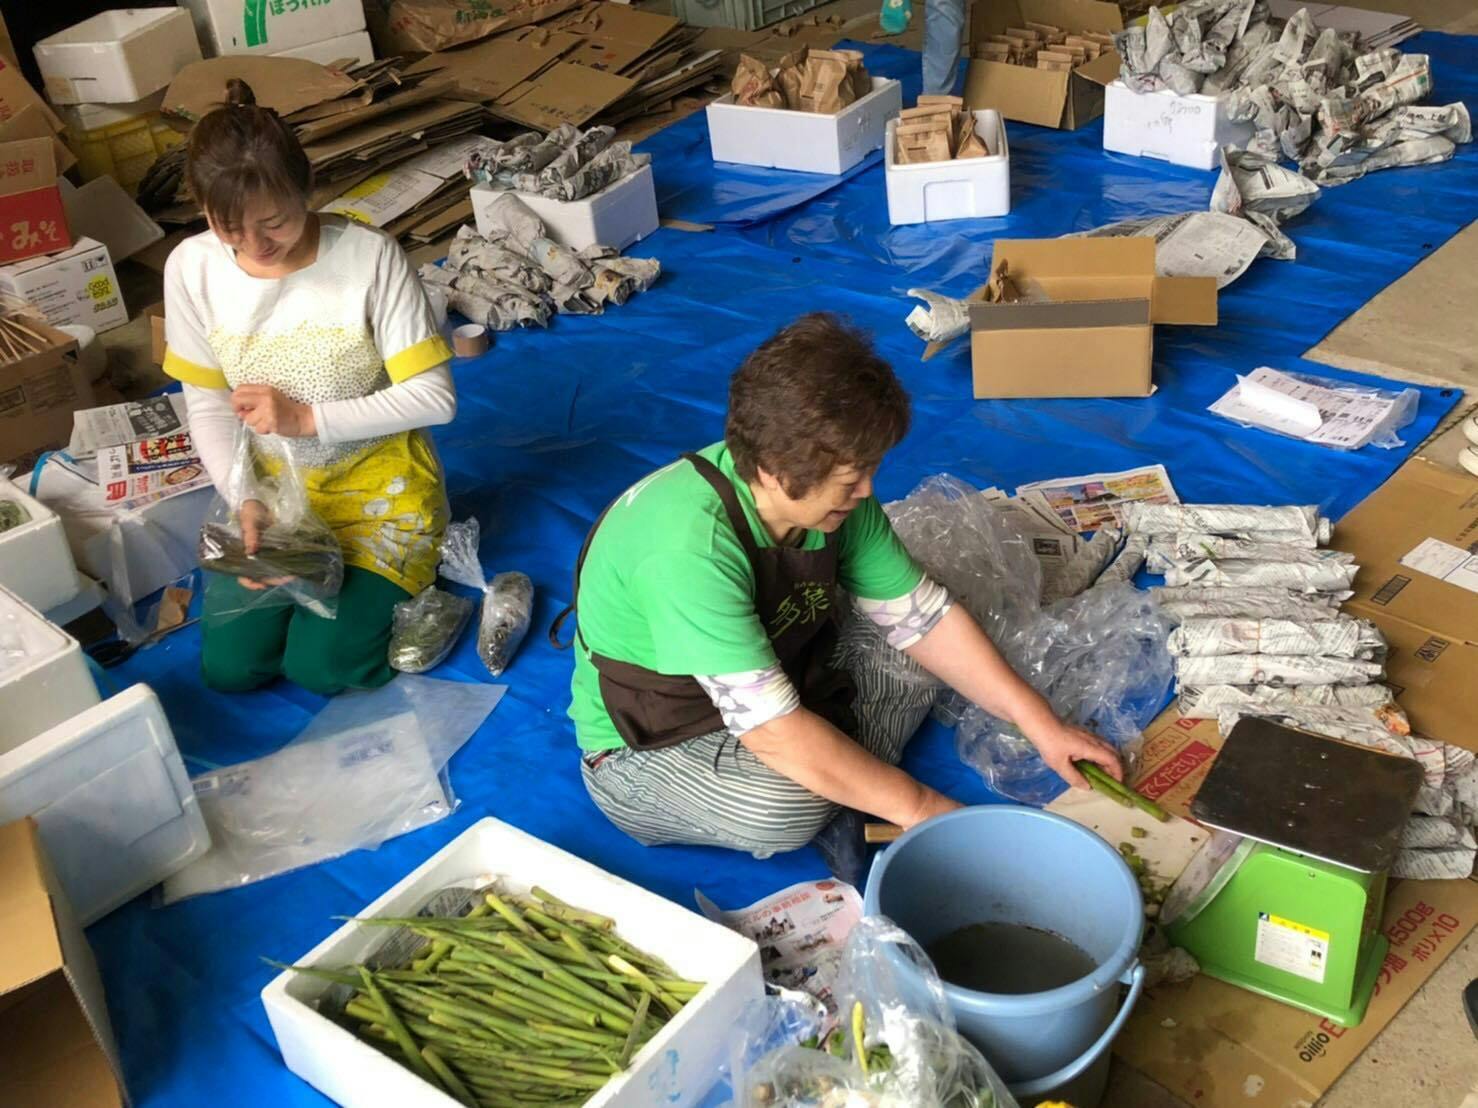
pixel 1096 500
pixel 1195 244
pixel 801 932
pixel 95 428
pixel 139 473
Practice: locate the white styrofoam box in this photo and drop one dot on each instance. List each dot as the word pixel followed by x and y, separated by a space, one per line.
pixel 135 551
pixel 781 139
pixel 356 45
pixel 78 286
pixel 260 27
pixel 111 800
pixel 1182 130
pixel 971 188
pixel 118 56
pixel 35 562
pixel 617 216
pixel 90 596
pixel 44 679
pixel 677 1067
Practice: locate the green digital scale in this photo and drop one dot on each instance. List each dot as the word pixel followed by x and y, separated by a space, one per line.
pixel 1287 897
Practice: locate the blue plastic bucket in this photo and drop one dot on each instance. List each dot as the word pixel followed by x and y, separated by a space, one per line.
pixel 1007 864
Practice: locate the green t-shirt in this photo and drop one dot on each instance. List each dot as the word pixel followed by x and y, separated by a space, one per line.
pixel 667 585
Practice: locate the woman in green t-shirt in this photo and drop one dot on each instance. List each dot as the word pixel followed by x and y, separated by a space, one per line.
pixel 711 596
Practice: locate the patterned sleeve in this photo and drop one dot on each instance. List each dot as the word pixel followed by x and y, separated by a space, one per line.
pixel 750 700
pixel 912 616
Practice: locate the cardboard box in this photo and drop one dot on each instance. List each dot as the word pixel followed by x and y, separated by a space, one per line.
pixel 1416 541
pixel 31 210
pixel 32 122
pixel 258 27
pixel 1093 335
pixel 16 94
pixel 78 287
pixel 804 141
pixel 38 395
pixel 116 57
pixel 154 313
pixel 1169 127
pixel 1205 1039
pixel 1048 98
pixel 56 1043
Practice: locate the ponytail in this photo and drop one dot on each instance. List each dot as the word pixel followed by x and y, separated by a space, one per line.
pixel 242 150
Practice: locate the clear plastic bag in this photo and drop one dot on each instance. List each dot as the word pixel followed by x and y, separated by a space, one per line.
pixel 895 1044
pixel 507 602
pixel 369 767
pixel 424 629
pixel 297 560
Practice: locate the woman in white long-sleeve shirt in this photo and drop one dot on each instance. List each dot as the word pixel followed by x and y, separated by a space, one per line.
pixel 311 328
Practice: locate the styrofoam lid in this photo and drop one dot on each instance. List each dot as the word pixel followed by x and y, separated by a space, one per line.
pixel 26 638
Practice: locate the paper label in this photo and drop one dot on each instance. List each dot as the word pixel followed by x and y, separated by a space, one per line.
pixel 1442 560
pixel 1291 947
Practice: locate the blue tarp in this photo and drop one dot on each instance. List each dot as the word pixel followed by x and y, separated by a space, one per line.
pixel 554 423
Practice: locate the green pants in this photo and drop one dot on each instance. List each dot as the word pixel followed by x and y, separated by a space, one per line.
pixel 246 650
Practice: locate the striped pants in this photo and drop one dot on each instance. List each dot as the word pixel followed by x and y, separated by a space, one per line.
pixel 711 791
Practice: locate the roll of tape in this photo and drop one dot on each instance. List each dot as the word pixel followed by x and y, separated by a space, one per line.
pixel 470 340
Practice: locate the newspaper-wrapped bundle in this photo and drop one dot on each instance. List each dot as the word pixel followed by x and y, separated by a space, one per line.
pixel 1126 563
pixel 1435 848
pixel 1228 520
pixel 1205 701
pixel 1189 602
pixel 1335 638
pixel 1276 669
pixel 1167 552
pixel 1328 576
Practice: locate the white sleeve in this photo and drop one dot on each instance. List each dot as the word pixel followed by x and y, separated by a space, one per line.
pixel 751 699
pixel 213 428
pixel 426 400
pixel 910 617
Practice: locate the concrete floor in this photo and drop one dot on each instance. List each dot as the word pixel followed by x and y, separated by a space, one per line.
pixel 1419 329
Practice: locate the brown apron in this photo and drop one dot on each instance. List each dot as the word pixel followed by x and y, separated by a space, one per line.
pixel 796 597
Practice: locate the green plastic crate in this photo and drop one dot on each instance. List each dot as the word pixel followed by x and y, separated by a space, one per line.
pixel 743 15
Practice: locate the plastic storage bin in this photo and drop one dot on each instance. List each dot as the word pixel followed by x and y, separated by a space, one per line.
pixel 43 677
pixel 973 188
pixel 744 15
pixel 781 139
pixel 118 140
pixel 35 561
pixel 117 57
pixel 677 1068
pixel 111 799
pixel 617 216
pixel 1183 130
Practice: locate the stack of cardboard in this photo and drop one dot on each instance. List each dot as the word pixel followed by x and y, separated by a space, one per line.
pixel 939 129
pixel 1043 46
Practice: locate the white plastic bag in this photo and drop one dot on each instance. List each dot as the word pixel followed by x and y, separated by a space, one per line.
pixel 507 602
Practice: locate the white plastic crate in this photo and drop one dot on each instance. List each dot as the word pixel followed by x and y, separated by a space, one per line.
pixel 35 561
pixel 43 677
pixel 356 45
pixel 971 188
pixel 677 1068
pixel 1182 130
pixel 117 57
pixel 620 214
pixel 781 139
pixel 111 799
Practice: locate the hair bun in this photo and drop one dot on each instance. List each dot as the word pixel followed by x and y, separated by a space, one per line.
pixel 239 93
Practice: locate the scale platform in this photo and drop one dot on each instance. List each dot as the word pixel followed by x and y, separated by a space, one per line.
pixel 1287 899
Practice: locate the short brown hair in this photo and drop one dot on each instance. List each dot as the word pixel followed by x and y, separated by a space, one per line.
pixel 814 396
pixel 241 150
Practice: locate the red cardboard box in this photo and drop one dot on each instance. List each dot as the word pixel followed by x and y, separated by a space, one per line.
pixel 32 218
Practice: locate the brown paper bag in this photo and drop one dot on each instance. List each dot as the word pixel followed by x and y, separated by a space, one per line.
pixel 789 76
pixel 826 83
pixel 1046 32
pixel 922 142
pixel 753 86
pixel 993 51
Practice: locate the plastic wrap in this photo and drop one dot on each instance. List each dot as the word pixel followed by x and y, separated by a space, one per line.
pixel 369 767
pixel 1336 638
pixel 1276 669
pixel 424 629
pixel 1234 520
pixel 1205 701
pixel 297 559
pixel 895 1044
pixel 1340 415
pixel 1330 575
pixel 1254 602
pixel 507 600
pixel 1101 662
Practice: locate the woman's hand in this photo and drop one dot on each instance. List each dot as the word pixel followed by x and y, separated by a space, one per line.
pixel 268 412
pixel 1061 744
pixel 255 518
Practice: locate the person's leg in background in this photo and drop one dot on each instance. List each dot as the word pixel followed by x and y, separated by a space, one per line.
pixel 242 635
pixel 327 656
pixel 944 24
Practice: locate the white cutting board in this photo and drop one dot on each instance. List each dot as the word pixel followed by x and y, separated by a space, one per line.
pixel 1167 848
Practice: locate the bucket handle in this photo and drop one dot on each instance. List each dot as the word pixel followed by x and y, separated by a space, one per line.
pixel 1035 1088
